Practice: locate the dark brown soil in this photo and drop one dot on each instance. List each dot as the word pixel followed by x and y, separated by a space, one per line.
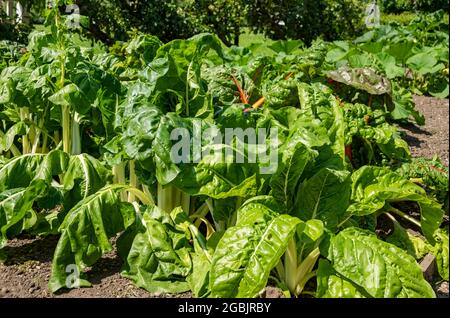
pixel 28 267
pixel 432 138
pixel 27 270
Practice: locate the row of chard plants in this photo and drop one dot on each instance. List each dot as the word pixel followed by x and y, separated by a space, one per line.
pixel 85 139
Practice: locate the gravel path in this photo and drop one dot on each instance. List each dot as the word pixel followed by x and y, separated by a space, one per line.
pixel 26 272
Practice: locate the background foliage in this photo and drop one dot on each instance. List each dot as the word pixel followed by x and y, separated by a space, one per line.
pixel 113 20
pixel 169 19
pixel 397 6
pixel 307 19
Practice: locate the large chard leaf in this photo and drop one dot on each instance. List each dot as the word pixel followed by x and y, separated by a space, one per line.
pixel 332 285
pixel 85 175
pixel 156 253
pixel 325 196
pixel 321 126
pixel 13 82
pixel 440 250
pixel 145 46
pixel 7 140
pixel 363 79
pixel 19 171
pixel 219 179
pixel 85 234
pixel 295 157
pixel 220 85
pixel 413 245
pixel 71 94
pixel 199 278
pixel 176 72
pixel 148 138
pixel 280 92
pixel 248 251
pixel 373 187
pixel 8 202
pixel 17 202
pixel 381 269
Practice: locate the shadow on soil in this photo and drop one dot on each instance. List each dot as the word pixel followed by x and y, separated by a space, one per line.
pixel 40 249
pixel 103 268
pixel 415 129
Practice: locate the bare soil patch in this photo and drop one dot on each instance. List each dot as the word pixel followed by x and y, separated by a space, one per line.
pixel 432 138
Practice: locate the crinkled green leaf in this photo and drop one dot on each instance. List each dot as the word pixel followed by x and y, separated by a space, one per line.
pixel 295 157
pixel 176 70
pixel 19 171
pixel 247 253
pixel 8 201
pixel 84 176
pixel 156 253
pixel 325 196
pixel 440 250
pixel 381 269
pixel 199 278
pixel 7 140
pixel 373 187
pixel 363 79
pixel 20 201
pixel 332 285
pixel 72 95
pixel 413 245
pixel 85 234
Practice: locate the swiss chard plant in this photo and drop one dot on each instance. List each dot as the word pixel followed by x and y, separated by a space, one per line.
pixel 100 147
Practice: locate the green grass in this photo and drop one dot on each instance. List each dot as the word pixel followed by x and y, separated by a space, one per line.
pixel 402 18
pixel 247 39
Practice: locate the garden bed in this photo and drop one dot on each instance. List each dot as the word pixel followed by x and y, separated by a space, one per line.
pixel 28 268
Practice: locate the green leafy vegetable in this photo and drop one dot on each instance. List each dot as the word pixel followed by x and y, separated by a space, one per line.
pixel 381 269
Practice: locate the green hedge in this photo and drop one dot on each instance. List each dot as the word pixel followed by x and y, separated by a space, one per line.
pixel 397 6
pixel 277 19
pixel 307 19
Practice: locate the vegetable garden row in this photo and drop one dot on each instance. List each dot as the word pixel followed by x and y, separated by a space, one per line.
pixel 86 153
